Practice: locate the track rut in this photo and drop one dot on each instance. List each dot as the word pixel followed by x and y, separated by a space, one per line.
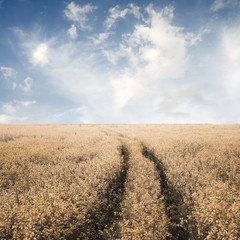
pixel 178 227
pixel 102 220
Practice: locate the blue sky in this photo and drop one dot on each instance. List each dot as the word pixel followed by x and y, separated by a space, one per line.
pixel 119 61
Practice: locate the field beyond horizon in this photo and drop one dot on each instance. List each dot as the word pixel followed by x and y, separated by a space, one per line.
pixel 120 181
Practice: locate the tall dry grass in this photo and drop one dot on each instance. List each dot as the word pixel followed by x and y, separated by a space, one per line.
pixel 119 181
pixel 203 163
pixel 51 180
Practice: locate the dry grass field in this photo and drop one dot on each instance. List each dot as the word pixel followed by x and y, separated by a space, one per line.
pixel 120 182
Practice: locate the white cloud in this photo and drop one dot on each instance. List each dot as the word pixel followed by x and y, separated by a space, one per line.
pixel 231 43
pixel 135 10
pixel 220 4
pixel 116 13
pixel 27 84
pixel 76 70
pixel 78 14
pixel 13 110
pixel 40 55
pixel 8 72
pixel 154 51
pixel 79 114
pixel 8 108
pixel 14 85
pixel 100 38
pixel 16 105
pixel 79 110
pixel 185 105
pixel 193 38
pixel 72 31
pixel 6 119
pixel 112 56
pixel 26 103
pixel 231 50
pixel 126 88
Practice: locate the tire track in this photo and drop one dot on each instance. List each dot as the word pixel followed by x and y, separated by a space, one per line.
pixel 143 213
pixel 173 200
pixel 101 221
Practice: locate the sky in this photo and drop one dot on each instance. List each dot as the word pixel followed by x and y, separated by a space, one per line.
pixel 106 61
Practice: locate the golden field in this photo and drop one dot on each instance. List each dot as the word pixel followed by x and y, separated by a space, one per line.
pixel 120 181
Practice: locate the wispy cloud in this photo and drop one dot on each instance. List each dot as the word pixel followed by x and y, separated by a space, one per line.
pixel 193 38
pixel 27 84
pixel 72 32
pixel 78 14
pixel 220 4
pixel 8 108
pixel 16 105
pixel 115 13
pixel 100 38
pixel 8 72
pixel 80 114
pixel 14 85
pixel 26 103
pixel 6 119
pixel 15 110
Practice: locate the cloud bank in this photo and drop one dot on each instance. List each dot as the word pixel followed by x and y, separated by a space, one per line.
pixel 153 70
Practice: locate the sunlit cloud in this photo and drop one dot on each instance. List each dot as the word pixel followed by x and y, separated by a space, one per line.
pixel 149 59
pixel 40 55
pixel 230 45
